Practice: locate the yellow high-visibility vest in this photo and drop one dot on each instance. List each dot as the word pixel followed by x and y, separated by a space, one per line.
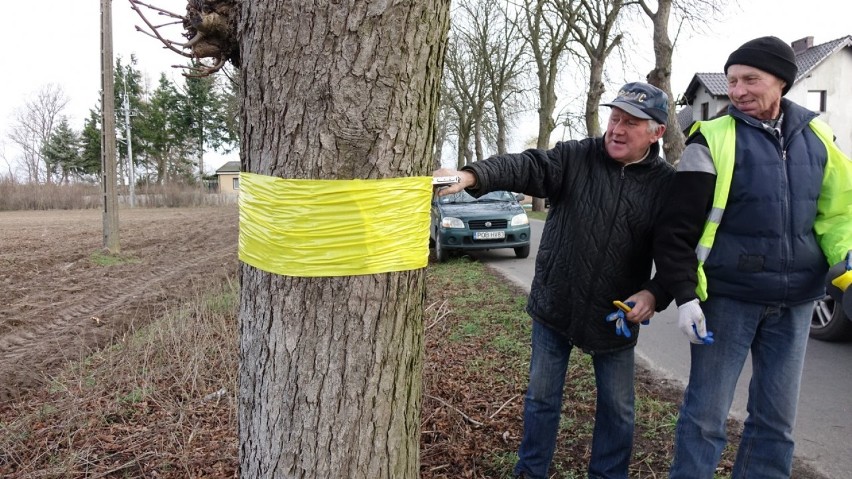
pixel 832 226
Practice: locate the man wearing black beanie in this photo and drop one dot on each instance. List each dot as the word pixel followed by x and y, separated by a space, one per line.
pixel 761 206
pixel 769 54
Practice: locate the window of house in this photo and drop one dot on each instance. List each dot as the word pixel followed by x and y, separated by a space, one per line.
pixel 236 183
pixel 705 111
pixel 816 100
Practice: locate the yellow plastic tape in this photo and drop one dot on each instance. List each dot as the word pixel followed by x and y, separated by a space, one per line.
pixel 334 227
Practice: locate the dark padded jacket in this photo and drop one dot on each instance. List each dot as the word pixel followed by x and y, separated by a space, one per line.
pixel 766 251
pixel 597 242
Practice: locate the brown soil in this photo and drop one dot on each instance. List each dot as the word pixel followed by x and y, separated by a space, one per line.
pixel 58 304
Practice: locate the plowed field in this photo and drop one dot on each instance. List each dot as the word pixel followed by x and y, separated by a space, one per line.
pixel 60 301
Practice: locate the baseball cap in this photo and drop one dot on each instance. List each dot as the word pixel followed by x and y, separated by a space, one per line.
pixel 643 101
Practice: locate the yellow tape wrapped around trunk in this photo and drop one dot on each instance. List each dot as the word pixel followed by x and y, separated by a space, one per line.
pixel 334 227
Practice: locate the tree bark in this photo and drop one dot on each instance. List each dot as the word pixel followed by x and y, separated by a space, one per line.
pixel 661 76
pixel 592 28
pixel 330 368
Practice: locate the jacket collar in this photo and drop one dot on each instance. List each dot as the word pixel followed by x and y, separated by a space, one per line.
pixel 795 117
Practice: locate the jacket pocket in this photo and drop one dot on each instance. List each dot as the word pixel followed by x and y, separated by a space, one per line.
pixel 751 263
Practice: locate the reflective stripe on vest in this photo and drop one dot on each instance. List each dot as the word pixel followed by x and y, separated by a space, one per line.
pixel 721 136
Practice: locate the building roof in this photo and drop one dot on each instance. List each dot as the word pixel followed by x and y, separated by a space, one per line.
pixel 684 118
pixel 813 56
pixel 229 167
pixel 717 84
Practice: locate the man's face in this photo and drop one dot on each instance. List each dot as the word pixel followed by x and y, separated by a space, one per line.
pixel 627 137
pixel 755 92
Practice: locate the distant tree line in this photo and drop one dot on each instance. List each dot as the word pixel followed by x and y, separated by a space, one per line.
pixel 171 125
pixel 553 59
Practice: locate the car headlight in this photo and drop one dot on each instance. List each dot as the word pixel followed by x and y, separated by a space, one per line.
pixel 521 219
pixel 450 222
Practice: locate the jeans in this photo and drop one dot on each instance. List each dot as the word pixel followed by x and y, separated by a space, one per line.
pixel 612 442
pixel 777 337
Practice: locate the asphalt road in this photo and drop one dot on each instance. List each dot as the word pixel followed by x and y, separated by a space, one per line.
pixel 824 423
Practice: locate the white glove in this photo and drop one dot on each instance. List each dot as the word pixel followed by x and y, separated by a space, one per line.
pixel 690 320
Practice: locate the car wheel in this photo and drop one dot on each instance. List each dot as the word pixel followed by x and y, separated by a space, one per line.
pixel 828 322
pixel 522 251
pixel 441 253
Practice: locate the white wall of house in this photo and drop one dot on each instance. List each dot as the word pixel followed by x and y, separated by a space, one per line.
pixel 831 76
pixel 714 104
pixel 229 183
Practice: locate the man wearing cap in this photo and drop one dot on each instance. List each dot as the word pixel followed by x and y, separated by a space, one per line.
pixel 761 206
pixel 605 194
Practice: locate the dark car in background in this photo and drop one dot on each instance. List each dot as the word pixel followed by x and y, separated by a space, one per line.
pixel 461 222
pixel 829 323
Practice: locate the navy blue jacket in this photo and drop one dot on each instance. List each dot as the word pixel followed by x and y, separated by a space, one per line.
pixel 765 249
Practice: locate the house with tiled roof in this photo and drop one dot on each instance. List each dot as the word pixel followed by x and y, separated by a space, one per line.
pixel 822 85
pixel 229 178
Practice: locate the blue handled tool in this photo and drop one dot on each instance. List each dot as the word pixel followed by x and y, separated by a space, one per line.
pixel 628 308
pixel 622 327
pixel 706 339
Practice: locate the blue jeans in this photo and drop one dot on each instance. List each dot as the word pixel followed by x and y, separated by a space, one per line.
pixel 612 442
pixel 777 337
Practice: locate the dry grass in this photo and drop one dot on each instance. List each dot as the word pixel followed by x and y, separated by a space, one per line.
pixel 20 196
pixel 159 403
pixel 15 196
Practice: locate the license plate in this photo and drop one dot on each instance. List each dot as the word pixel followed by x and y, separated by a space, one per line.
pixel 486 235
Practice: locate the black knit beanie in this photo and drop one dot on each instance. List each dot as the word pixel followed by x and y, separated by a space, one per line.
pixel 769 54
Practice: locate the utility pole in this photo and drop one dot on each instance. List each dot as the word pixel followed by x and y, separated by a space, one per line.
pixel 201 145
pixel 108 150
pixel 131 174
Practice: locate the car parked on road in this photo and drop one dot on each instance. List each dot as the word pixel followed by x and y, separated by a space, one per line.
pixel 495 220
pixel 829 323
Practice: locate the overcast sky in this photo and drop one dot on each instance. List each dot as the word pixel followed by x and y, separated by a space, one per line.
pixel 59 43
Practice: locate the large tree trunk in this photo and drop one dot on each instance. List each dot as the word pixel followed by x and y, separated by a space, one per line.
pixel 546 125
pixel 593 99
pixel 661 77
pixel 330 368
pixel 500 120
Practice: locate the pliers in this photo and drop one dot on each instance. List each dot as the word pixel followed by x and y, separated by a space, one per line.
pixel 622 326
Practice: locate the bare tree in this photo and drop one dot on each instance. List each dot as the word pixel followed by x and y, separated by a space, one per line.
pixel 11 173
pixel 546 28
pixel 500 48
pixel 694 12
pixel 31 128
pixel 465 90
pixel 593 29
pixel 482 78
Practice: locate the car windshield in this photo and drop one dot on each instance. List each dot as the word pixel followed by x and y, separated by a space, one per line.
pixel 464 197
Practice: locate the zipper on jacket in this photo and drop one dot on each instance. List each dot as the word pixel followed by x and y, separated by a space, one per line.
pixel 785 218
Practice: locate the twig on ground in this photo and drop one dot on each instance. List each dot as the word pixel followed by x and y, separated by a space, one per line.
pixel 465 416
pixel 123 466
pixel 441 312
pixel 504 405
